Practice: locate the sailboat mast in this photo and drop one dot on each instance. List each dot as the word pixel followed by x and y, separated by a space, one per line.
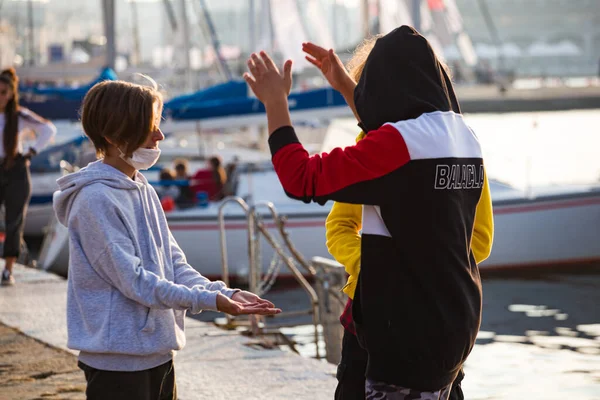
pixel 334 23
pixel 267 5
pixel 136 33
pixel 222 64
pixel 31 41
pixel 365 19
pixel 108 10
pixel 170 15
pixel 489 22
pixel 252 25
pixel 185 32
pixel 416 14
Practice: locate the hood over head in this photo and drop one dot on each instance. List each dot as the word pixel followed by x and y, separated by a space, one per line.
pixel 401 80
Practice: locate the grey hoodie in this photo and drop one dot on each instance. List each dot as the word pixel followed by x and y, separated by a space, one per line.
pixel 129 283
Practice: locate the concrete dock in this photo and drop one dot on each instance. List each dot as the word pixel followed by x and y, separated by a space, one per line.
pixel 215 364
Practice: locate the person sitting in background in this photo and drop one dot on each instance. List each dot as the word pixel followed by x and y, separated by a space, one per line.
pixel 181 169
pixel 186 194
pixel 210 180
pixel 164 189
pixel 219 177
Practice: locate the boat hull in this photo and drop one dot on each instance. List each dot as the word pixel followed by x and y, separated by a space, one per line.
pixel 546 232
pixel 529 233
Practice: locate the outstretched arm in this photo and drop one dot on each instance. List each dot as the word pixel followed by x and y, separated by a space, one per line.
pixel 357 174
pixel 231 301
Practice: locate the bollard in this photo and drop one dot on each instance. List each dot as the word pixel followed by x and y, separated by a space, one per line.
pixel 331 278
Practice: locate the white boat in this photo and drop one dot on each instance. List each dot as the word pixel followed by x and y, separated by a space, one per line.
pixel 552 227
pixel 545 229
pixel 183 141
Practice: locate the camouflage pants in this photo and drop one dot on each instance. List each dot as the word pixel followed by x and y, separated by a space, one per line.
pixel 384 391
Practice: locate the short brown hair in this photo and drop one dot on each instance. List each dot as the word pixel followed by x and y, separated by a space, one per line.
pixel 122 112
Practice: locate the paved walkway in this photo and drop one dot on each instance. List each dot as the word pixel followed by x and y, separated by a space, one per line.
pixel 215 364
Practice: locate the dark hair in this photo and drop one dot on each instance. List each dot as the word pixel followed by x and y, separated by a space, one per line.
pixel 219 175
pixel 11 113
pixel 215 161
pixel 166 174
pixel 123 112
pixel 181 164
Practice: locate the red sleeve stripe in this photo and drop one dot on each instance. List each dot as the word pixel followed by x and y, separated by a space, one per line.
pixel 379 153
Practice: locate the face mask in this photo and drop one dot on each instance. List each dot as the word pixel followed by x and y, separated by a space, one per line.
pixel 142 159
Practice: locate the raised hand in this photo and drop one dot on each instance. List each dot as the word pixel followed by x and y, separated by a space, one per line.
pixel 330 66
pixel 234 307
pixel 265 80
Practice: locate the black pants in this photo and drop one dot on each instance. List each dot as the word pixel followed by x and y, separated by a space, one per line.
pixel 15 192
pixel 351 370
pixel 157 383
pixel 352 367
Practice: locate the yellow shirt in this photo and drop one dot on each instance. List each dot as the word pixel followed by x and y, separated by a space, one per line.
pixel 344 223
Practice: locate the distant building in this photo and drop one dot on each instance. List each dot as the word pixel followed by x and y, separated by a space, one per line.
pixel 539 37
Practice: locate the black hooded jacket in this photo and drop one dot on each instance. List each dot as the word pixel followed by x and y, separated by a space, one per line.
pixel 419 174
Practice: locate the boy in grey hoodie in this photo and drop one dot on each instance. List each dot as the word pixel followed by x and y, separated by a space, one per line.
pixel 129 284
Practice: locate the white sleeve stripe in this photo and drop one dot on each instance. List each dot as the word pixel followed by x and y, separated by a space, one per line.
pixel 438 135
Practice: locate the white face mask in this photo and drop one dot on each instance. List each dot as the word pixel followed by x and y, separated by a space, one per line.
pixel 142 159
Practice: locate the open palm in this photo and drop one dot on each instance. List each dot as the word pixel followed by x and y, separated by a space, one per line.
pixel 330 65
pixel 245 297
pixel 235 307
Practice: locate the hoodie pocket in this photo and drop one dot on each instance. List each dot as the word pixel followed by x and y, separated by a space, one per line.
pixel 150 324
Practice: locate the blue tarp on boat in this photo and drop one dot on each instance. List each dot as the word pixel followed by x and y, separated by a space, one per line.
pixel 230 99
pixel 59 102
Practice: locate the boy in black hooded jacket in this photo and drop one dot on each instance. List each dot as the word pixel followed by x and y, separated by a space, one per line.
pixel 420 174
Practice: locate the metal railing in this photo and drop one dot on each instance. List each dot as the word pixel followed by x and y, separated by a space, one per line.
pixel 331 278
pixel 257 229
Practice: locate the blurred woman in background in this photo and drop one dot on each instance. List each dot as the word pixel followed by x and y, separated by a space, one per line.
pixel 15 180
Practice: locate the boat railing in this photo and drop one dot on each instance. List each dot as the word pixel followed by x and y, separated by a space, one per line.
pixel 256 230
pixel 331 279
pixel 223 241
